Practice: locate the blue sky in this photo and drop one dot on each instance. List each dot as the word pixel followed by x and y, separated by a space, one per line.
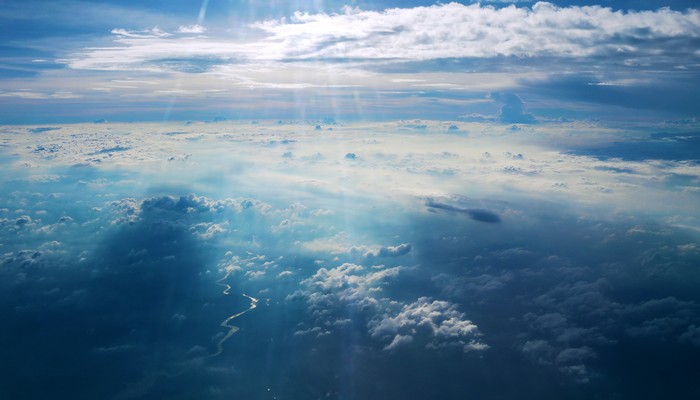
pixel 74 61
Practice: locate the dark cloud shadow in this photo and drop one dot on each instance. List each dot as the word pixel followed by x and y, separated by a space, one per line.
pixel 131 309
pixel 473 213
pixel 661 146
pixel 671 93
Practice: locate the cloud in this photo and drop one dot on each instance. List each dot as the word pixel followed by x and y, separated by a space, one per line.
pixel 43 129
pixel 399 341
pixel 349 291
pixel 574 309
pixel 557 288
pixel 191 29
pixel 473 213
pixel 513 109
pixel 135 287
pixel 33 95
pixel 457 31
pixel 347 283
pixel 574 355
pixel 435 62
pixel 284 274
pixel 539 351
pixel 143 34
pixel 443 31
pixel 691 335
pixel 23 220
pixel 431 322
pixel 390 251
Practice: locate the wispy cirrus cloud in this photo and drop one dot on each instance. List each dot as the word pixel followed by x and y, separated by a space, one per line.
pixel 34 95
pixel 146 33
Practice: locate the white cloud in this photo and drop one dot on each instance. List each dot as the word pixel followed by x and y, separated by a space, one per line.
pixel 146 33
pixel 438 323
pixel 350 283
pixel 432 324
pixel 413 34
pixel 455 30
pixel 209 230
pixel 398 341
pixel 284 274
pixel 340 245
pixel 191 29
pixel 34 95
pixel 397 162
pixel 391 251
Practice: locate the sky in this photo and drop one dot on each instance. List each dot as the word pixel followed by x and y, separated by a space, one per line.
pixel 79 61
pixel 349 200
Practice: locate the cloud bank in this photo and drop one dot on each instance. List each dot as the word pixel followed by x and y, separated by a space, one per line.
pixel 441 31
pixel 455 30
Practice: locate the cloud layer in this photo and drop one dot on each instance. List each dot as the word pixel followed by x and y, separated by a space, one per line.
pixel 417 34
pixel 457 31
pixel 468 257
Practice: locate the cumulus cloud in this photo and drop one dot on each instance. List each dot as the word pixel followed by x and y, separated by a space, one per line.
pixel 347 283
pixel 398 341
pixel 513 109
pixel 455 30
pixel 390 251
pixel 194 209
pixel 539 351
pixel 432 322
pixel 574 355
pixel 427 322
